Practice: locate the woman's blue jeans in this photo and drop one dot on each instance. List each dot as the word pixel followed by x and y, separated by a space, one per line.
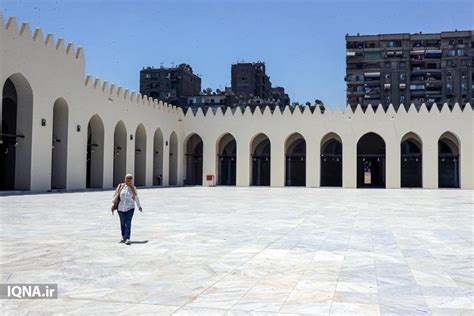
pixel 126 222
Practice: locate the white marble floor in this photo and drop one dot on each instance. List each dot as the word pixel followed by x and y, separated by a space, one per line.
pixel 239 251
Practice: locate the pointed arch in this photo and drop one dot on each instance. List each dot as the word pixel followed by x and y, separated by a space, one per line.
pixel 193 148
pixel 371 161
pixel 120 152
pixel 226 159
pixel 295 166
pixel 411 161
pixel 331 160
pixel 95 153
pixel 59 147
pixel 260 154
pixel 449 149
pixel 158 157
pixel 140 155
pixel 17 132
pixel 173 159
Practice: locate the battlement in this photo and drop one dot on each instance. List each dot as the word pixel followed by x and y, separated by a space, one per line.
pixel 24 31
pixel 328 112
pixel 110 90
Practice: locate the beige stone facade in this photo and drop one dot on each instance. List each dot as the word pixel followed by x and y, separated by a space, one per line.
pixel 74 131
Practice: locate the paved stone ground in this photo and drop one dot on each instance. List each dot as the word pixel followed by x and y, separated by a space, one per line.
pixel 245 250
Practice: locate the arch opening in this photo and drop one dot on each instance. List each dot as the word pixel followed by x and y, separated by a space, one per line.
pixel 120 153
pixel 295 162
pixel 59 144
pixel 140 155
pixel 95 153
pixel 227 158
pixel 371 161
pixel 331 161
pixel 16 134
pixel 194 148
pixel 158 157
pixel 173 159
pixel 260 160
pixel 448 161
pixel 411 161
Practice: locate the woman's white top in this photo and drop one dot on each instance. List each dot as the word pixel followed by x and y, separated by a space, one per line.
pixel 126 200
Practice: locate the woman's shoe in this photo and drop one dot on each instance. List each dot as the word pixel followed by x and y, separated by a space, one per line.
pixel 128 242
pixel 122 241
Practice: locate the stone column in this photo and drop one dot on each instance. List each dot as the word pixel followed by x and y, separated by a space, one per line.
pixel 392 165
pixel 209 160
pixel 277 166
pixel 430 163
pixel 243 163
pixel 313 162
pixel 349 164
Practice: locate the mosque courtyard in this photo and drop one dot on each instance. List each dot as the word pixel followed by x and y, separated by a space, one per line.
pixel 239 251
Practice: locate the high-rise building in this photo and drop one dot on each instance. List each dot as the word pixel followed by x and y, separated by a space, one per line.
pixel 410 68
pixel 172 85
pixel 251 84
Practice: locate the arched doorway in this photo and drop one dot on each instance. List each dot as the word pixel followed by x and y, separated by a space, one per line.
pixel 140 156
pixel 193 156
pixel 120 152
pixel 331 161
pixel 411 161
pixel 16 137
pixel 260 155
pixel 226 160
pixel 295 170
pixel 59 144
pixel 173 172
pixel 371 161
pixel 448 161
pixel 95 153
pixel 158 158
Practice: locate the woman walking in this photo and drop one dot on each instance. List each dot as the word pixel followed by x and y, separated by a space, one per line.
pixel 124 201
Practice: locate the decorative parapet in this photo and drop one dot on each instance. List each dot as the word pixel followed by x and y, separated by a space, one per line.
pixel 111 91
pixel 328 112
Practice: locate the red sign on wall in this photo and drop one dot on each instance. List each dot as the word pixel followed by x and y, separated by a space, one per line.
pixel 209 177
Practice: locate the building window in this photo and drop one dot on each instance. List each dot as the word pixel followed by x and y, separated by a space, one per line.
pixel 387 99
pixel 147 76
pixel 449 87
pixel 402 77
pixel 402 64
pixel 387 64
pixel 244 78
pixel 449 75
pixel 451 53
pixel 460 52
pixel 372 55
pixel 460 42
pixel 387 76
pixel 402 99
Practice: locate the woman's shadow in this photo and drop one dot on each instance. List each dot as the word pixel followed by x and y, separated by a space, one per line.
pixel 139 242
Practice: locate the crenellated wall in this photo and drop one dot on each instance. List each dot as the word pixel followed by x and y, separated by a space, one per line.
pixel 54 71
pixel 44 71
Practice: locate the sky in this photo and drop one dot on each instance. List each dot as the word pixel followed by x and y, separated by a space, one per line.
pixel 302 42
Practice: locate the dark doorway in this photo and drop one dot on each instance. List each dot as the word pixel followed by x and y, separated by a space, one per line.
pixel 140 155
pixel 411 162
pixel 194 147
pixel 331 161
pixel 173 160
pixel 226 157
pixel 295 167
pixel 120 153
pixel 95 153
pixel 448 161
pixel 59 145
pixel 260 155
pixel 371 161
pixel 158 157
pixel 16 134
